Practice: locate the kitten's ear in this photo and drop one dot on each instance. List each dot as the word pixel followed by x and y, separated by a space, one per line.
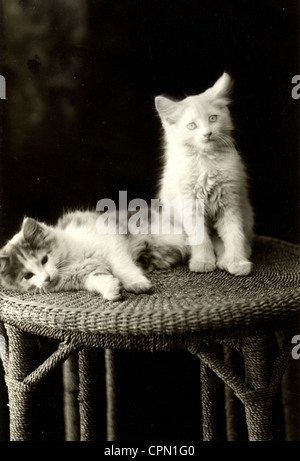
pixel 31 229
pixel 164 105
pixel 4 261
pixel 222 88
pixel 166 108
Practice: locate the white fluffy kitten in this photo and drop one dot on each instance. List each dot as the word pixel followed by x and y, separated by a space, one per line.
pixel 201 161
pixel 73 256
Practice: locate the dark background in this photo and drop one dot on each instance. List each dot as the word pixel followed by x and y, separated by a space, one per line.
pixel 79 125
pixel 79 118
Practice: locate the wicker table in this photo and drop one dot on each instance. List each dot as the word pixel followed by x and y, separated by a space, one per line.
pixel 216 316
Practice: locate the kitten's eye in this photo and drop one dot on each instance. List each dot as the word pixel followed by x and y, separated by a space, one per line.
pixel 213 118
pixel 28 276
pixel 44 260
pixel 191 126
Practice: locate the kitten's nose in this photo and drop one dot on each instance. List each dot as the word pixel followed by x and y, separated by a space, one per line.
pixel 207 135
pixel 47 279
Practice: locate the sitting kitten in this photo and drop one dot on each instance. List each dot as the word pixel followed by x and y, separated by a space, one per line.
pixel 202 162
pixel 73 256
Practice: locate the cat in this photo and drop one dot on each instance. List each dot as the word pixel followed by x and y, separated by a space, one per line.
pixel 72 255
pixel 201 161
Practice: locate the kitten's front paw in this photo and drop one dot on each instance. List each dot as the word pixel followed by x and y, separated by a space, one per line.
pixel 113 291
pixel 240 268
pixel 196 265
pixel 141 285
pixel 236 267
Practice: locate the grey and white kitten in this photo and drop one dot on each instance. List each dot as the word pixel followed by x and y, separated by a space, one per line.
pixel 73 256
pixel 201 161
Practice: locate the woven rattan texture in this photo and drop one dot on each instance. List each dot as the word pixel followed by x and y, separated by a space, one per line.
pixel 181 302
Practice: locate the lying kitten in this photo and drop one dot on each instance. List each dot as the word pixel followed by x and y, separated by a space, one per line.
pixel 201 161
pixel 73 256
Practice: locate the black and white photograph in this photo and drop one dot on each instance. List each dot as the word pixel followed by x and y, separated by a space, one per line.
pixel 149 223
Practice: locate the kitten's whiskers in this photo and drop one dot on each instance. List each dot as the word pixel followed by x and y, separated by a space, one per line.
pixel 225 140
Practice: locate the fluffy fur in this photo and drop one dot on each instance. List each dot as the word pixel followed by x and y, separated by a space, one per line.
pixel 202 161
pixel 73 256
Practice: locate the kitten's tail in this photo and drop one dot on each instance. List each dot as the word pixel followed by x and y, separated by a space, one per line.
pixel 159 251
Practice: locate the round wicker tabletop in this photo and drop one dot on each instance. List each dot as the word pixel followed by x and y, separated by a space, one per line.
pixel 181 302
